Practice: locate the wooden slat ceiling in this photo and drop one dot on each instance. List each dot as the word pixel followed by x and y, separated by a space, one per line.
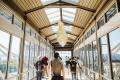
pixel 40 18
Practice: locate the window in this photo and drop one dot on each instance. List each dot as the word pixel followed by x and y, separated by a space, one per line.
pixel 90 58
pixel 105 57
pixel 44 2
pixel 115 50
pixel 4 46
pixel 14 57
pixel 111 12
pixel 17 22
pixel 69 14
pixel 28 29
pixel 31 62
pixel 93 30
pixel 26 60
pixel 6 16
pixel 53 14
pixel 32 33
pixel 95 57
pixel 101 22
pixel 72 1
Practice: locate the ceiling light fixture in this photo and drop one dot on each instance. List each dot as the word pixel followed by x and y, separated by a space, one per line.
pixel 61 34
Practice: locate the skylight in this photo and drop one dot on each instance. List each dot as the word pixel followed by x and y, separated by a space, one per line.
pixel 44 2
pixel 66 27
pixel 71 1
pixel 69 14
pixel 53 14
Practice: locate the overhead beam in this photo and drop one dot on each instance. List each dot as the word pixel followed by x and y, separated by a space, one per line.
pixel 61 18
pixel 71 39
pixel 74 25
pixel 53 40
pixel 59 4
pixel 50 34
pixel 56 33
pixel 47 26
pixel 57 23
pixel 68 39
pixel 72 34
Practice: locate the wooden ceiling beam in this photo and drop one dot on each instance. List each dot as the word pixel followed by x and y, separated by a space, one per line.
pixel 57 23
pixel 47 26
pixel 56 33
pixel 74 25
pixel 51 34
pixel 59 4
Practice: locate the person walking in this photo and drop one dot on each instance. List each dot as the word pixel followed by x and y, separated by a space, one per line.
pixel 73 68
pixel 57 68
pixel 45 61
pixel 39 67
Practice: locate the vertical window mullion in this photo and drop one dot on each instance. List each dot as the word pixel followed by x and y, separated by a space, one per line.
pixel 8 57
pixel 109 56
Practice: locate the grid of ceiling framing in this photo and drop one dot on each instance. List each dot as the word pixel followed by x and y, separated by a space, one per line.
pixel 83 11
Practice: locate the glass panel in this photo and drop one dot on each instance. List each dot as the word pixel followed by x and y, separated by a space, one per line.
pixel 26 60
pixel 31 66
pixel 96 65
pixel 91 58
pixel 4 43
pixel 32 33
pixel 111 12
pixel 93 30
pixel 69 14
pixel 72 1
pixel 14 57
pixel 105 58
pixel 44 2
pixel 101 22
pixel 115 50
pixel 68 28
pixel 4 14
pixel 17 22
pixel 53 14
pixel 28 29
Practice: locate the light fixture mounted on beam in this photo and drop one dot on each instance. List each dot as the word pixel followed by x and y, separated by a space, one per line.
pixel 61 34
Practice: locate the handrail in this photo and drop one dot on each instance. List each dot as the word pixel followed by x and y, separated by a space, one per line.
pixel 19 74
pixel 94 72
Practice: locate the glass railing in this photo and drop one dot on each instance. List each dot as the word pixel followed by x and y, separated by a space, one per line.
pixel 16 76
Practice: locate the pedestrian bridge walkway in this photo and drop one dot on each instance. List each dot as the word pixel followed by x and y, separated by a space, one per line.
pixel 68 76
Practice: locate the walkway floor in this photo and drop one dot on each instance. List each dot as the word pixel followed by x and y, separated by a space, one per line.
pixel 69 77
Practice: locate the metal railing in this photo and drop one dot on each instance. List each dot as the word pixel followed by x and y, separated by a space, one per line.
pixel 94 72
pixel 18 75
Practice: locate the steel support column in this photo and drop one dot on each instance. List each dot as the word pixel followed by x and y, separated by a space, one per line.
pixel 110 57
pixel 118 5
pixel 22 51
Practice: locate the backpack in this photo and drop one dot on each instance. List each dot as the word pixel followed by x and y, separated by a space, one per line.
pixel 73 66
pixel 39 64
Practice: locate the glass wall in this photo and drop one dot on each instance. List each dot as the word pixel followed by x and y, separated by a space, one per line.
pixel 4 46
pixel 105 57
pixel 31 62
pixel 90 58
pixel 95 55
pixel 26 60
pixel 14 57
pixel 115 51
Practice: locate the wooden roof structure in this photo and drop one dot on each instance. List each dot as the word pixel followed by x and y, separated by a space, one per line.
pixel 75 15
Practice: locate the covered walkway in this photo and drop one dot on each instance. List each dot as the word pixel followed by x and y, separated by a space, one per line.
pixel 87 29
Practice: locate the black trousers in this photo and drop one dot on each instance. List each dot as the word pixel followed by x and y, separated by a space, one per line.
pixel 74 76
pixel 39 75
